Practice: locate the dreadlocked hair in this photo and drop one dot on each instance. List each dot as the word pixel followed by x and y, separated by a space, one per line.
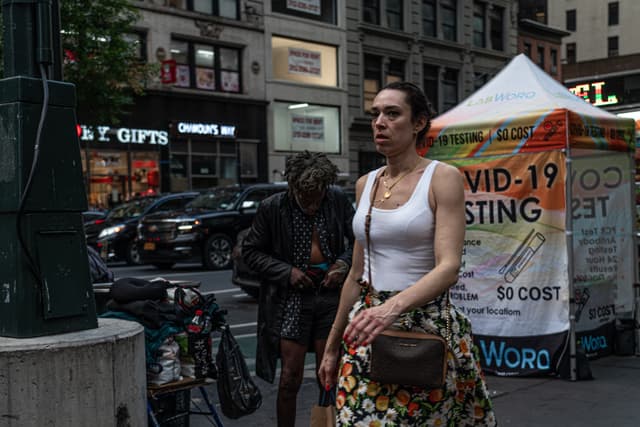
pixel 308 172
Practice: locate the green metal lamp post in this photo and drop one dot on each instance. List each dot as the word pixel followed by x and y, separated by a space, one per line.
pixel 45 285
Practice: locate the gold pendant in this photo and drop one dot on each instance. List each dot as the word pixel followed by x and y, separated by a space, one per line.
pixel 387 194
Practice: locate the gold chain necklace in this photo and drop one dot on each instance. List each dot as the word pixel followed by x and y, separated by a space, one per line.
pixel 387 193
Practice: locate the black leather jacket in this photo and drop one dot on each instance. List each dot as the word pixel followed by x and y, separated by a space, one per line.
pixel 268 251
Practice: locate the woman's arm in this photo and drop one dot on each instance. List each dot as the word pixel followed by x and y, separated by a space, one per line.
pixel 447 200
pixel 328 371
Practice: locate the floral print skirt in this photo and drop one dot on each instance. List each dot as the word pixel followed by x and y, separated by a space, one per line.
pixel 463 401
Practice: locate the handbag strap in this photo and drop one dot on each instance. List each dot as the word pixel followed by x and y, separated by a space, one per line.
pixel 367 230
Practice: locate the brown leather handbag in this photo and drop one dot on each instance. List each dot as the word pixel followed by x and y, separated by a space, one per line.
pixel 413 358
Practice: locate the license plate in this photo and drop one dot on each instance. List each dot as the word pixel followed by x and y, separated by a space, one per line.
pixel 149 246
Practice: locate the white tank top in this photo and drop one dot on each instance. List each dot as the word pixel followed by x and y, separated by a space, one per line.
pixel 401 238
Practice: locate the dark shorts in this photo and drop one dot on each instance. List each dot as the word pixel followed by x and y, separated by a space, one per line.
pixel 308 316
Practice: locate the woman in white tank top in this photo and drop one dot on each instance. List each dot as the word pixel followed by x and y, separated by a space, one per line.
pixel 416 237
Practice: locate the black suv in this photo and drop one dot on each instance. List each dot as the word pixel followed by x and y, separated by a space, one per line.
pixel 114 238
pixel 205 230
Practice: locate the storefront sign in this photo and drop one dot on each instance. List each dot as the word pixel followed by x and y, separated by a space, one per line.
pixel 307 128
pixel 307 6
pixel 212 129
pixel 303 61
pixel 123 135
pixel 593 93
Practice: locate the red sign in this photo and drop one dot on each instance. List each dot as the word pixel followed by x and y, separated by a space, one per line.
pixel 168 71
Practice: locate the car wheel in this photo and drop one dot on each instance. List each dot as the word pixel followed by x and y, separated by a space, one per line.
pixel 163 265
pixel 217 252
pixel 132 257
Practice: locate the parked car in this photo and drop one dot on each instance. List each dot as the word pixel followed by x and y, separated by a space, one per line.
pixel 115 239
pixel 205 230
pixel 244 277
pixel 92 217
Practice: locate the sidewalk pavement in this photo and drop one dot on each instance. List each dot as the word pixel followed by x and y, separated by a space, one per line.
pixel 611 399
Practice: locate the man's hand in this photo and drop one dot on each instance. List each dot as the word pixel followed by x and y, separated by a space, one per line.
pixel 300 280
pixel 335 275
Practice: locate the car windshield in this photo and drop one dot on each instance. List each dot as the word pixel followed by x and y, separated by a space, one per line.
pixel 220 199
pixel 130 209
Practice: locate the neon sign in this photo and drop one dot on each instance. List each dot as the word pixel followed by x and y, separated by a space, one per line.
pixel 212 129
pixel 123 135
pixel 584 91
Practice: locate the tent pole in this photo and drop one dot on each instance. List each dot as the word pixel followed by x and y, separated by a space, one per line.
pixel 569 242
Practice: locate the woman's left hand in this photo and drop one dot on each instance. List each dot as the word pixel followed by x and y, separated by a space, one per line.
pixel 369 323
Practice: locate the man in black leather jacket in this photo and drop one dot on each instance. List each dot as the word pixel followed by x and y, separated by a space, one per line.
pixel 300 244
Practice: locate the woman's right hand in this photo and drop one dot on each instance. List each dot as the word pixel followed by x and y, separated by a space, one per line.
pixel 328 371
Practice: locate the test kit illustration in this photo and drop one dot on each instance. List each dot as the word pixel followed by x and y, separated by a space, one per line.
pixel 521 257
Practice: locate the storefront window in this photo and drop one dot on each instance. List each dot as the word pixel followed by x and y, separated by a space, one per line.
pixel 179 172
pixel 249 160
pixel 318 10
pixel 304 62
pixel 205 56
pixel 306 127
pixel 112 182
pixel 211 67
pixel 180 53
pixel 202 164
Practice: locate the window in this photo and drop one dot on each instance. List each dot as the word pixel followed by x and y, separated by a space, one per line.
pixel 449 89
pixel 479 30
pixel 479 80
pixel 304 62
pixel 533 9
pixel 324 11
pixel 206 67
pixel 449 19
pixel 248 159
pixel 541 56
pixel 393 13
pixel 613 13
pixel 495 20
pixel 305 126
pixel 571 53
pixel 430 83
pixel 395 71
pixel 371 11
pixel 138 42
pixel 612 46
pixel 571 20
pixel 223 8
pixel 554 61
pixel 372 79
pixel 527 49
pixel 429 18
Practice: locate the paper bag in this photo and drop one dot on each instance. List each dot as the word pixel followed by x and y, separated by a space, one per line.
pixel 324 413
pixel 323 416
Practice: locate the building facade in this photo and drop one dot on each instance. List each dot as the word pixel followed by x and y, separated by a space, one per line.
pixel 601 54
pixel 543 44
pixel 245 84
pixel 448 47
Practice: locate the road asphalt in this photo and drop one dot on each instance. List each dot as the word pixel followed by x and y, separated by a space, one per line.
pixel 610 399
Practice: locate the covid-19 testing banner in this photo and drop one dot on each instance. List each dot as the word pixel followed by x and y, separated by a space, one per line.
pixel 602 215
pixel 514 283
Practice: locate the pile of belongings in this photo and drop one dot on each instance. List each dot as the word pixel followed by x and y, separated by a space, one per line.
pixel 178 322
